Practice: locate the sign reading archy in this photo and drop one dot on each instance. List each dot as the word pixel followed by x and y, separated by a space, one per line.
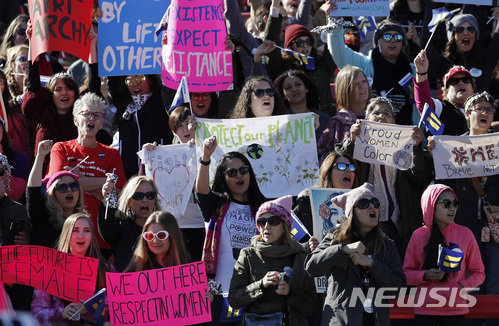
pixel 66 276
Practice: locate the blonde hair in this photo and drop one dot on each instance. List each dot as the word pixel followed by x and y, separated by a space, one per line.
pixel 54 209
pixel 345 84
pixel 127 193
pixel 12 54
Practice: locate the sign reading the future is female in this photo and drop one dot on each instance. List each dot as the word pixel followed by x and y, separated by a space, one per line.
pixel 281 149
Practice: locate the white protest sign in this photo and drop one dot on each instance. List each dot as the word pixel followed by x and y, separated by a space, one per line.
pixel 173 168
pixel 458 157
pixel 383 143
pixel 351 8
pixel 281 149
pixel 467 2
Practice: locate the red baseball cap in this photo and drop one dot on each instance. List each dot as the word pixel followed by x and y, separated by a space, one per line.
pixel 454 71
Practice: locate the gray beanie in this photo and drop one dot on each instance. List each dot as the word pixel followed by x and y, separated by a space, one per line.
pixel 458 20
pixel 348 200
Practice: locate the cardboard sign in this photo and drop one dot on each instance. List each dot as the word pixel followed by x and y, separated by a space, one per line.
pixel 351 8
pixel 195 47
pixel 281 149
pixel 326 215
pixel 66 276
pixel 128 44
pixel 457 157
pixel 383 143
pixel 61 26
pixel 167 296
pixel 173 168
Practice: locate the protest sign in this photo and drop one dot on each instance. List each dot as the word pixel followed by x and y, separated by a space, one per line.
pixel 351 8
pixel 66 276
pixel 195 47
pixel 128 44
pixel 458 157
pixel 281 149
pixel 326 215
pixel 467 2
pixel 61 26
pixel 383 143
pixel 166 296
pixel 173 168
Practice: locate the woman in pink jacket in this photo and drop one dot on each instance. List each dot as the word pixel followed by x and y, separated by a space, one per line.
pixel 439 299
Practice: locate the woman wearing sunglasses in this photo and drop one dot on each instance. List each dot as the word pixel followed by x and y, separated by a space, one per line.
pixel 122 225
pixel 16 70
pixel 63 197
pixel 15 34
pixel 78 237
pixel 269 275
pixel 421 264
pixel 257 99
pixel 204 104
pixel 356 257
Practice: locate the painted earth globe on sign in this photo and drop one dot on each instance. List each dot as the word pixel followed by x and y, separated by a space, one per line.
pixel 255 151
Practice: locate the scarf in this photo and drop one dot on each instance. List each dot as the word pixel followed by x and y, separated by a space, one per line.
pixel 212 240
pixel 383 179
pixel 138 102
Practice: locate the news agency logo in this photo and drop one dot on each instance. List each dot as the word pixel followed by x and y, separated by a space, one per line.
pixel 436 297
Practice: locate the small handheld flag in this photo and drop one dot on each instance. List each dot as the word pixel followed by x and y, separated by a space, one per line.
pixel 407 84
pixel 298 230
pixel 95 306
pixel 365 24
pixel 230 314
pixel 163 24
pixel 449 260
pixel 112 198
pixel 307 60
pixel 431 121
pixel 182 95
pixel 439 15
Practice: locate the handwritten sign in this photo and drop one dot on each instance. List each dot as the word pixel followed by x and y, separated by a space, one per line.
pixel 173 168
pixel 351 8
pixel 282 149
pixel 458 157
pixel 167 296
pixel 195 47
pixel 383 143
pixel 66 276
pixel 128 44
pixel 61 26
pixel 467 2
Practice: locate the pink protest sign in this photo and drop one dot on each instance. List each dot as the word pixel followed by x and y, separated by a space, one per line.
pixel 61 25
pixel 66 276
pixel 195 47
pixel 167 296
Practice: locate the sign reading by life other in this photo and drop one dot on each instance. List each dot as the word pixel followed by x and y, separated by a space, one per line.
pixel 195 47
pixel 61 25
pixel 166 296
pixel 128 44
pixel 66 276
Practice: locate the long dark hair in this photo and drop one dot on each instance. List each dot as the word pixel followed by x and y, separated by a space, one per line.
pixel 474 56
pixel 255 196
pixel 431 249
pixel 313 91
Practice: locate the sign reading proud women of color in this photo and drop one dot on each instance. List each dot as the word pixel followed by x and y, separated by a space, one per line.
pixel 282 149
pixel 166 296
pixel 61 26
pixel 195 47
pixel 457 157
pixel 383 143
pixel 66 276
pixel 128 44
pixel 350 8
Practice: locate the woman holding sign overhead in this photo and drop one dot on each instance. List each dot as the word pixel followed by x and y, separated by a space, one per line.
pixel 77 238
pixel 444 255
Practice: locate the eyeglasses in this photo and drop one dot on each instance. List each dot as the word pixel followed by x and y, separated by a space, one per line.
pixel 366 203
pixel 21 31
pixel 232 172
pixel 390 37
pixel 150 195
pixel 139 79
pixel 160 235
pixel 301 43
pixel 89 114
pixel 481 109
pixel 273 221
pixel 461 29
pixel 198 96
pixel 448 202
pixel 343 166
pixel 454 81
pixel 22 59
pixel 63 187
pixel 262 92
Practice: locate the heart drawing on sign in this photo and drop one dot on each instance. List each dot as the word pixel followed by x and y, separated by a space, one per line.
pixel 171 184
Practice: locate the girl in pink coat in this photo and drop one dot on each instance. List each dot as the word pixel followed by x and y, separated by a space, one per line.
pixel 440 298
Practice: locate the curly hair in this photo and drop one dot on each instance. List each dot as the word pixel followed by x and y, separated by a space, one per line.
pixel 12 54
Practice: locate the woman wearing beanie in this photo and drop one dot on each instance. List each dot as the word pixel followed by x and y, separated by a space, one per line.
pixel 269 275
pixel 423 269
pixel 356 257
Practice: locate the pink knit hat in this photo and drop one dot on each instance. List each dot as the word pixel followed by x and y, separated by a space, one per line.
pixel 348 200
pixel 280 207
pixel 55 176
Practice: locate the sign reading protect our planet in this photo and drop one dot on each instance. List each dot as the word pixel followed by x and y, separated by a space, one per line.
pixel 350 8
pixel 128 44
pixel 195 47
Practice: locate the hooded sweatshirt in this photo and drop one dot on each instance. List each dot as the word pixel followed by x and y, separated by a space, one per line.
pixel 435 297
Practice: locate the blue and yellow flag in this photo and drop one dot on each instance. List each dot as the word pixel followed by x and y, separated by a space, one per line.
pixel 298 230
pixel 163 24
pixel 439 15
pixel 431 121
pixel 307 60
pixel 230 314
pixel 365 24
pixel 449 260
pixel 95 306
pixel 182 95
pixel 407 84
